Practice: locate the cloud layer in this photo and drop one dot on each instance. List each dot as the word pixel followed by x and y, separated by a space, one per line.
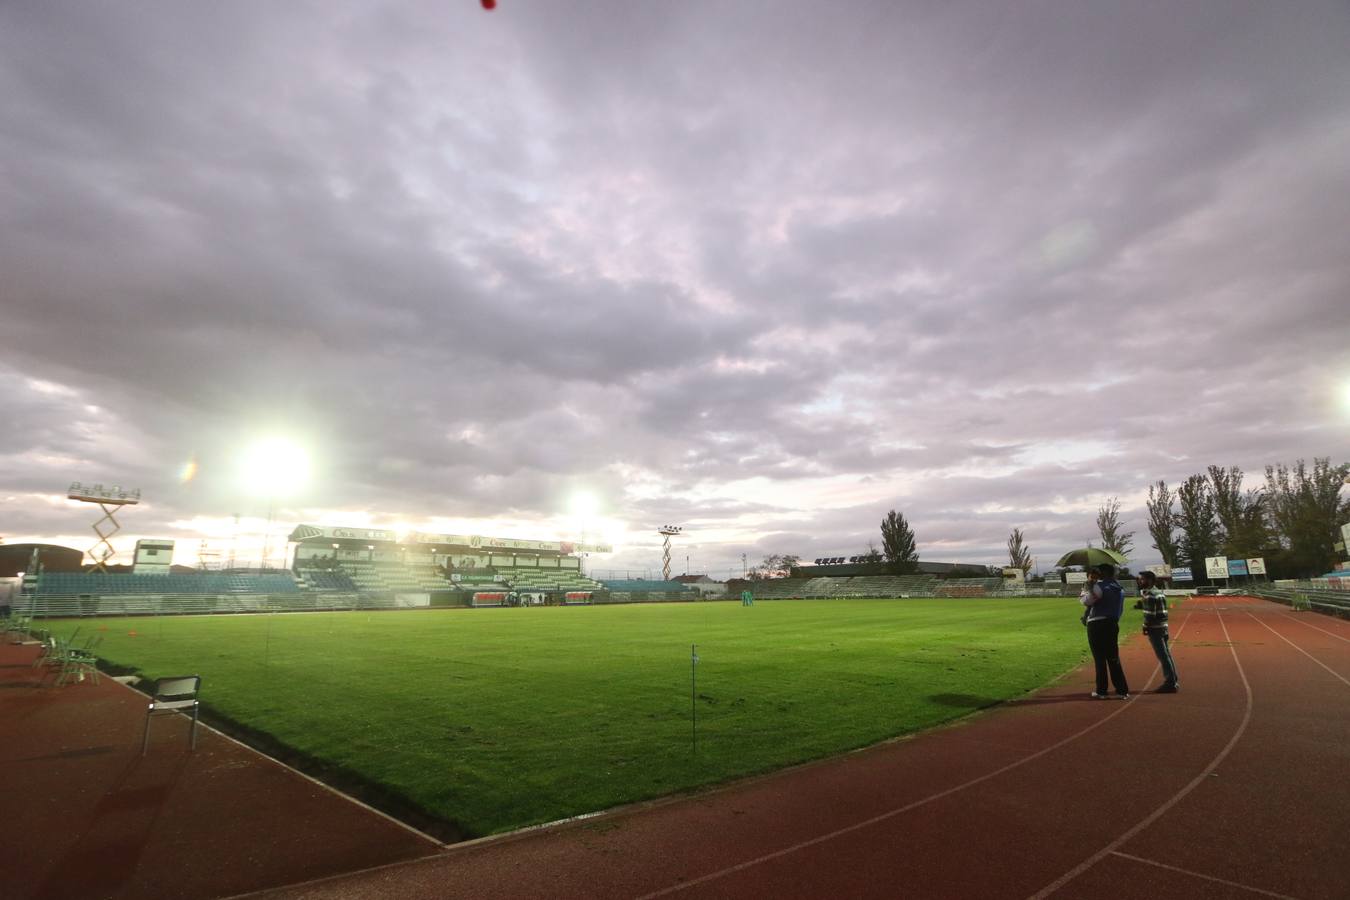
pixel 766 270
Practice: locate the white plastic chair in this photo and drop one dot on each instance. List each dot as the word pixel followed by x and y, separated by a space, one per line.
pixel 173 695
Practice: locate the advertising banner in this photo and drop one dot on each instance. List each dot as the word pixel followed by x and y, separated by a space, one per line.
pixel 1162 570
pixel 1257 566
pixel 1182 573
pixel 1216 566
pixel 1237 567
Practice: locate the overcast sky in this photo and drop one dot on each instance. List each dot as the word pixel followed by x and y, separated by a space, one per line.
pixel 764 270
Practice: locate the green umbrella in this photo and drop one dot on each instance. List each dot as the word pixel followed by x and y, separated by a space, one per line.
pixel 1087 557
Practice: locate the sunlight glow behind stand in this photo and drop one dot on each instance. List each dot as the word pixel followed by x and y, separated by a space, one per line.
pixel 108 499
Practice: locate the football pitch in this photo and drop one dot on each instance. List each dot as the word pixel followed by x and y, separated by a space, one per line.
pixel 492 719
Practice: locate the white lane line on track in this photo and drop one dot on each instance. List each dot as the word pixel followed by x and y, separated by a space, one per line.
pixel 848 829
pixel 1343 679
pixel 1176 798
pixel 310 778
pixel 1193 874
pixel 1339 637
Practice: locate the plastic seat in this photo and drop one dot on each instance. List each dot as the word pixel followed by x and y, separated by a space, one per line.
pixel 177 694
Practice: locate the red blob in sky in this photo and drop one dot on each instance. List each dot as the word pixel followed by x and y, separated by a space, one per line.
pixel 489 4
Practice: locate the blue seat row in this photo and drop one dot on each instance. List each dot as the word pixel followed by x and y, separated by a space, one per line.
pixel 100 583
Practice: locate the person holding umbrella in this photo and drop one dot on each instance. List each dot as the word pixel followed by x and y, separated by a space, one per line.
pixel 1105 603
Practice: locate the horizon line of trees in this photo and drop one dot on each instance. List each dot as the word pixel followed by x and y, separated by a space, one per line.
pixel 1293 521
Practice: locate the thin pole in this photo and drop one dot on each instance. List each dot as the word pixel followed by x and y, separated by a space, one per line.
pixel 693 704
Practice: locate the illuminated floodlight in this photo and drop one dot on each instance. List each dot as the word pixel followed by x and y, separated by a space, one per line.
pixel 274 467
pixel 584 504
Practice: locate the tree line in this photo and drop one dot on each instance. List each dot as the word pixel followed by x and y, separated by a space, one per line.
pixel 1293 520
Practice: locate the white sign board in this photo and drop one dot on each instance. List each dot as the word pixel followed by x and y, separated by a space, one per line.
pixel 1216 566
pixel 1162 570
pixel 1257 566
pixel 1075 577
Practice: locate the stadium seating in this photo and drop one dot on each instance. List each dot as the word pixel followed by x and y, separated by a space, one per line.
pixel 643 586
pixel 326 580
pixel 864 586
pixel 970 587
pixel 547 580
pixel 101 584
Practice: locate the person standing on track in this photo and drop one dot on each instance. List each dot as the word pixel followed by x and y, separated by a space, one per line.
pixel 1105 602
pixel 1154 604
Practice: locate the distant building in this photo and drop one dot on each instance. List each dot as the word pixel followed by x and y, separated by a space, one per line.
pixel 14 558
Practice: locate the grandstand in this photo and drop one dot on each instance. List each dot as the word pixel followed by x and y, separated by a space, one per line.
pixel 447 568
pixel 857 587
pixel 101 584
pixel 104 593
pixel 349 568
pixel 623 590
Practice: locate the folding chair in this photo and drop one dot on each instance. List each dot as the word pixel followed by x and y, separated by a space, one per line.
pixel 15 627
pixel 80 661
pixel 54 648
pixel 172 695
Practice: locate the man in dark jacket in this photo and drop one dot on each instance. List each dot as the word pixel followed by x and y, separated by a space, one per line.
pixel 1105 603
pixel 1154 604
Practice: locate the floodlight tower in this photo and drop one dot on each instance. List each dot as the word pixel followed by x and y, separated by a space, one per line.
pixel 667 532
pixel 109 500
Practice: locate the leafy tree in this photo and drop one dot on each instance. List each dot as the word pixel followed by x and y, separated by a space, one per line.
pixel 1306 509
pixel 1198 522
pixel 775 565
pixel 1019 554
pixel 897 543
pixel 1162 522
pixel 1112 532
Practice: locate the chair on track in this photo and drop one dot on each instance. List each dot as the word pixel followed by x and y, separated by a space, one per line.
pixel 77 662
pixel 177 694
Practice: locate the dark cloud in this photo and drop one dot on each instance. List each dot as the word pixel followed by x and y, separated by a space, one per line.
pixel 767 269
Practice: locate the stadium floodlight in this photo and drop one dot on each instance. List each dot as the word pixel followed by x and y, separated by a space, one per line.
pixel 274 467
pixel 109 499
pixel 667 532
pixel 584 504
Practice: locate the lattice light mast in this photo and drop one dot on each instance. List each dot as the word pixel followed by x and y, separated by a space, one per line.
pixel 667 532
pixel 109 499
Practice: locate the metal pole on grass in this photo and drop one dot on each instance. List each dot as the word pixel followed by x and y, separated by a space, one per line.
pixel 693 697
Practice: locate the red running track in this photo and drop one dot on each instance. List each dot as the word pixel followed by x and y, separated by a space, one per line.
pixel 1235 787
pixel 84 815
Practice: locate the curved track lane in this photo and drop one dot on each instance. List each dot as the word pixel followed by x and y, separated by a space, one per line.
pixel 1234 787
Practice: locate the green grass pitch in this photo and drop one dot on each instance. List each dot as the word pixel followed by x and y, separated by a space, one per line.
pixel 497 718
